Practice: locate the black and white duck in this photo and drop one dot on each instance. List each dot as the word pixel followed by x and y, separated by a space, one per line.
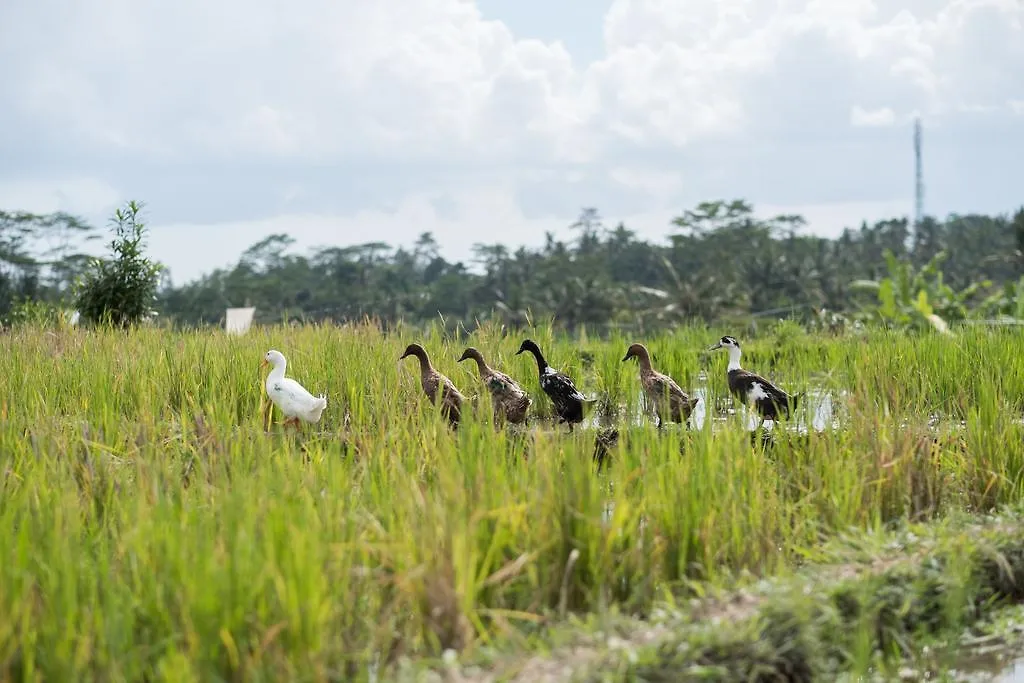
pixel 511 402
pixel 770 402
pixel 671 403
pixel 558 386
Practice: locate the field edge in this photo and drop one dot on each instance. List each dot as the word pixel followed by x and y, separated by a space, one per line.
pixel 868 603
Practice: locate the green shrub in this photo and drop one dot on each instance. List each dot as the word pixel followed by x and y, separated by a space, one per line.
pixel 120 291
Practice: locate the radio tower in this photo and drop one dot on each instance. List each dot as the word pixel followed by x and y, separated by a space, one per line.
pixel 918 178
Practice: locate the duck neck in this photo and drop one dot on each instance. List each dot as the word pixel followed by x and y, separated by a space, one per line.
pixel 541 363
pixel 425 367
pixel 276 371
pixel 481 365
pixel 645 363
pixel 734 359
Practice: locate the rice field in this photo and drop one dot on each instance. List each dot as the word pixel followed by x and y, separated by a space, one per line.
pixel 155 531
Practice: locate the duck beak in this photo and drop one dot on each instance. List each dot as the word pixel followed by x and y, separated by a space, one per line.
pixel 627 357
pixel 716 346
pixel 264 362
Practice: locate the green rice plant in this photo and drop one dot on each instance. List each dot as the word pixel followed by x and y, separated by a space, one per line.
pixel 156 530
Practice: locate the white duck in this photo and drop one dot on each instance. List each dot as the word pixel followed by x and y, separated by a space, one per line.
pixel 291 397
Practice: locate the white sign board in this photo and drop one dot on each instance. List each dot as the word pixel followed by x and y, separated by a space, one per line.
pixel 238 320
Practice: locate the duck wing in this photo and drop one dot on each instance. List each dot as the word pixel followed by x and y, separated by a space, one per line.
pixel 290 390
pixel 666 387
pixel 289 394
pixel 753 388
pixel 510 400
pixel 502 385
pixel 563 393
pixel 555 384
pixel 451 400
pixel 665 392
pixel 662 386
pixel 450 392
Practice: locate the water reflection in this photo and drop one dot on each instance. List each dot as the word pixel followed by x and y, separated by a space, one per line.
pixel 1011 674
pixel 990 665
pixel 700 411
pixel 817 402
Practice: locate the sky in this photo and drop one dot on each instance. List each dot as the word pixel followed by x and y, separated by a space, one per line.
pixel 344 121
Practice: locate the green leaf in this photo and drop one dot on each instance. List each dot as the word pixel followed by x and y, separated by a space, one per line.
pixel 887 299
pixel 865 286
pixel 922 305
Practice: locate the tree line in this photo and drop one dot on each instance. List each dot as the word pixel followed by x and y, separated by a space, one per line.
pixel 720 261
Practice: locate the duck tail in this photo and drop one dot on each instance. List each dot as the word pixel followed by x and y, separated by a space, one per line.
pixel 319 405
pixel 796 399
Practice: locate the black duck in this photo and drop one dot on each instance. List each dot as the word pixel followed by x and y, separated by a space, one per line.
pixel 558 386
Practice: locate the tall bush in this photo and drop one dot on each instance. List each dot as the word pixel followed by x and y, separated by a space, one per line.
pixel 120 291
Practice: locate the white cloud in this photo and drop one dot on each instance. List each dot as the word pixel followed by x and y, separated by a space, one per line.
pixel 661 185
pixel 883 116
pixel 318 79
pixel 832 218
pixel 80 196
pixel 723 63
pixel 395 102
pixel 322 79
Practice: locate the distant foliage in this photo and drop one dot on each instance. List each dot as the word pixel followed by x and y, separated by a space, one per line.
pixel 918 298
pixel 36 313
pixel 1007 303
pixel 40 259
pixel 721 263
pixel 121 291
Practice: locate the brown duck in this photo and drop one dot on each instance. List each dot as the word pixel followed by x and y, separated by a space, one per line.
pixel 431 379
pixel 510 401
pixel 671 403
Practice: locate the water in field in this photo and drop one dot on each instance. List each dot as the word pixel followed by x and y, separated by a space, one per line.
pixel 1014 673
pixel 818 406
pixel 996 657
pixel 986 668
